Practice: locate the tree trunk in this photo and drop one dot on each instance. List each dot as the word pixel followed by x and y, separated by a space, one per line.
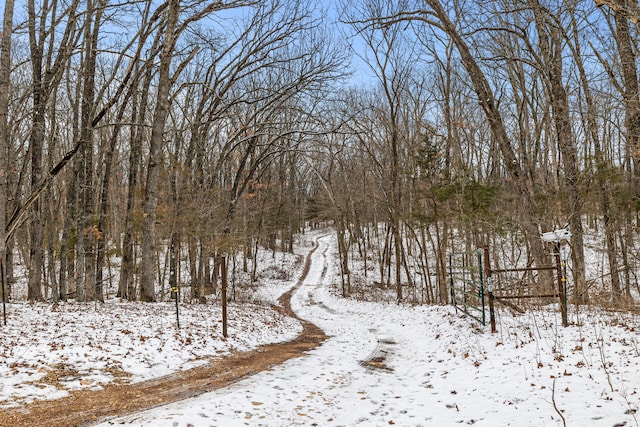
pixel 104 199
pixel 5 85
pixel 600 163
pixel 127 286
pixel 343 254
pixel 194 258
pixel 36 141
pixel 174 259
pixel 42 84
pixel 66 248
pixel 147 279
pixel 90 232
pixel 631 92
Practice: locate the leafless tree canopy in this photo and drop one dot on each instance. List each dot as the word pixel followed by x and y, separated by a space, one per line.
pixel 142 142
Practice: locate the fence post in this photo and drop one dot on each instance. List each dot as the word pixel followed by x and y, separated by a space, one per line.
pixel 561 286
pixel 482 287
pixel 4 295
pixel 452 292
pixel 223 273
pixel 487 273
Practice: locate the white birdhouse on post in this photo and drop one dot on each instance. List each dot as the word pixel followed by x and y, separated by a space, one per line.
pixel 556 236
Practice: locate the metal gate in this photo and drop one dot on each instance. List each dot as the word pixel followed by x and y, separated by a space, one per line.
pixel 471 278
pixel 466 284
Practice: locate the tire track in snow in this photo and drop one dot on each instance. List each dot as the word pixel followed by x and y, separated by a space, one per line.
pixel 377 359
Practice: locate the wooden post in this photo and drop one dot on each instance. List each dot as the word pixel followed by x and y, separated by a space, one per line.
pixel 223 272
pixel 487 274
pixel 561 285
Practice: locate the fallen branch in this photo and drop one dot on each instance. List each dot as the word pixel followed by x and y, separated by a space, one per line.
pixel 553 400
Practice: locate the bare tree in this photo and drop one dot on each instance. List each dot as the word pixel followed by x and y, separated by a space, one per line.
pixel 173 28
pixel 86 283
pixel 126 286
pixel 147 279
pixel 601 162
pixel 550 42
pixel 391 62
pixel 247 100
pixel 623 74
pixel 438 17
pixel 46 72
pixel 5 85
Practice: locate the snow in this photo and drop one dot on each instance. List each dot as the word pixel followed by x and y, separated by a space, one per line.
pixel 384 364
pixel 141 340
pixel 437 369
pixel 98 343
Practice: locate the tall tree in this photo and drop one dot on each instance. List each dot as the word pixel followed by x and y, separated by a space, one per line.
pixel 601 162
pixel 127 286
pixel 438 17
pixel 147 279
pixel 623 74
pixel 46 71
pixel 391 64
pixel 5 85
pixel 627 51
pixel 86 284
pixel 551 42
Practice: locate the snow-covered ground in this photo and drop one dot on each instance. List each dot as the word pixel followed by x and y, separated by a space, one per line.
pixel 93 344
pixel 426 366
pixel 383 364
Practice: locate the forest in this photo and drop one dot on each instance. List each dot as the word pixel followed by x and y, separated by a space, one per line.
pixel 149 142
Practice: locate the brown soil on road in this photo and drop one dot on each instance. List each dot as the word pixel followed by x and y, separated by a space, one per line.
pixel 83 408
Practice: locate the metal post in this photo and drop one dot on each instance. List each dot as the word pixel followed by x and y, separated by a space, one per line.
pixel 4 298
pixel 487 273
pixel 223 272
pixel 173 278
pixel 481 290
pixel 464 281
pixel 564 281
pixel 176 293
pixel 451 288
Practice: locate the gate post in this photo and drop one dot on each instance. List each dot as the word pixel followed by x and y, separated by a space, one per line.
pixel 482 287
pixel 561 285
pixel 223 273
pixel 487 274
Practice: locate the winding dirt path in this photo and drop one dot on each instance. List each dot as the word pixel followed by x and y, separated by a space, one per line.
pixel 84 408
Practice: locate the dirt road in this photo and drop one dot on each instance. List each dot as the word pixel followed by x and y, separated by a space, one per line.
pixel 84 408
